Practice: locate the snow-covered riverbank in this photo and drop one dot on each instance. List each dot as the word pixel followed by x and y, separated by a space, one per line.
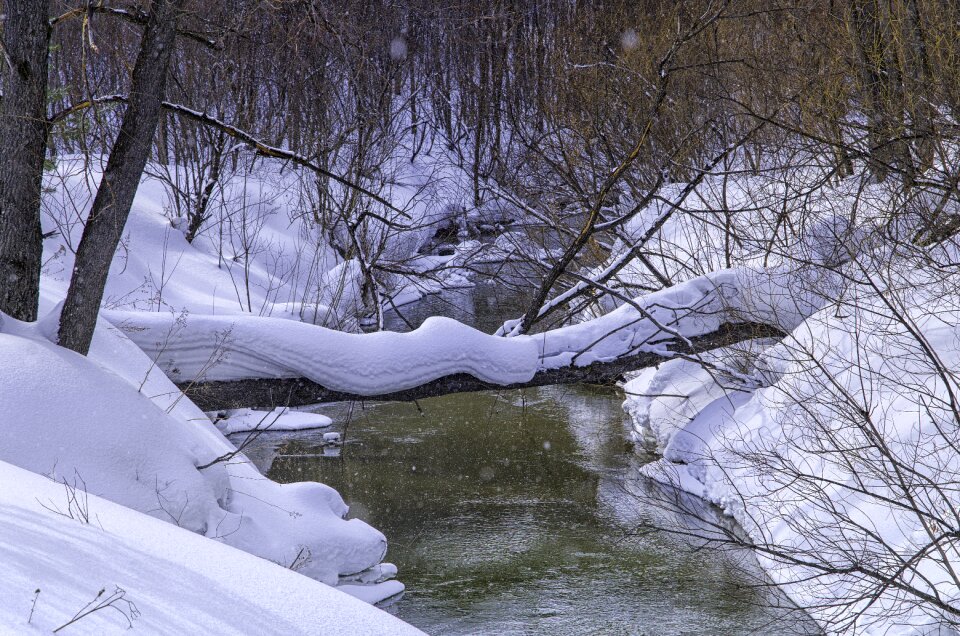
pixel 838 458
pixel 741 427
pixel 62 558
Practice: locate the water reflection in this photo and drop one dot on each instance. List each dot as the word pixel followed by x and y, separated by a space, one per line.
pixel 513 513
pixel 501 291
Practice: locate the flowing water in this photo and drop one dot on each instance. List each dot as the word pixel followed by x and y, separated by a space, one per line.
pixel 516 513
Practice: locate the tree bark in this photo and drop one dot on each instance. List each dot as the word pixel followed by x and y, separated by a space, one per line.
pixel 128 158
pixel 922 111
pixel 23 134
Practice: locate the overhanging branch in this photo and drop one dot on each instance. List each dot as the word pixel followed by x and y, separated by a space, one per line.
pixel 258 146
pixel 136 15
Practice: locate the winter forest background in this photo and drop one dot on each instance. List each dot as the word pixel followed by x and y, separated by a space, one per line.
pixel 740 217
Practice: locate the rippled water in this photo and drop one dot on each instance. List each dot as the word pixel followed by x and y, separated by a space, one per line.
pixel 510 514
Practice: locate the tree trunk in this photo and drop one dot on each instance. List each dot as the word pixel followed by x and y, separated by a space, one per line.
pixel 163 142
pixel 882 88
pixel 923 112
pixel 111 207
pixel 23 133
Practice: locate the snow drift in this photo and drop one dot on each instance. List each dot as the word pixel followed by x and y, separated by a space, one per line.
pixel 114 426
pixel 171 580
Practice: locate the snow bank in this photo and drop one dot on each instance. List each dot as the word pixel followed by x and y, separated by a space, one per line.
pixel 757 220
pixel 662 401
pixel 65 417
pixel 847 459
pixel 260 252
pixel 177 581
pixel 114 425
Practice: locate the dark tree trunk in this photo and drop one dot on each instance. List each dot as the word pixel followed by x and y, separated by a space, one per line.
pixel 869 53
pixel 23 133
pixel 111 207
pixel 882 83
pixel 923 112
pixel 163 142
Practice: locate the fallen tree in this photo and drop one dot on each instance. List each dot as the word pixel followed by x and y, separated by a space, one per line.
pixel 273 392
pixel 232 361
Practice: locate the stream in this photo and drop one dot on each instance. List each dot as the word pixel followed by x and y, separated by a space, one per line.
pixel 515 512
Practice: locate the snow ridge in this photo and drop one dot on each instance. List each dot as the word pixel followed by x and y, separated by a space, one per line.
pixel 227 348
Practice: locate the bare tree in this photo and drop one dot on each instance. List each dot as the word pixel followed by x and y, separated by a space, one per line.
pixel 23 137
pixel 129 156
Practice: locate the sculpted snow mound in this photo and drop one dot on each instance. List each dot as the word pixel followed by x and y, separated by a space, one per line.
pixel 179 582
pixel 113 425
pixel 66 417
pixel 236 347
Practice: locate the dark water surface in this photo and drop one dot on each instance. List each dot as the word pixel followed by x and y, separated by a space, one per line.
pixel 510 514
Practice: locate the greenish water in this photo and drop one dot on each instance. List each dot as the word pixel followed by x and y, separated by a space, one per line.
pixel 512 513
pixel 517 512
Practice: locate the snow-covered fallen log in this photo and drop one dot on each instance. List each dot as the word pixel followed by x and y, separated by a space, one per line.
pixel 231 361
pixel 300 391
pixel 238 347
